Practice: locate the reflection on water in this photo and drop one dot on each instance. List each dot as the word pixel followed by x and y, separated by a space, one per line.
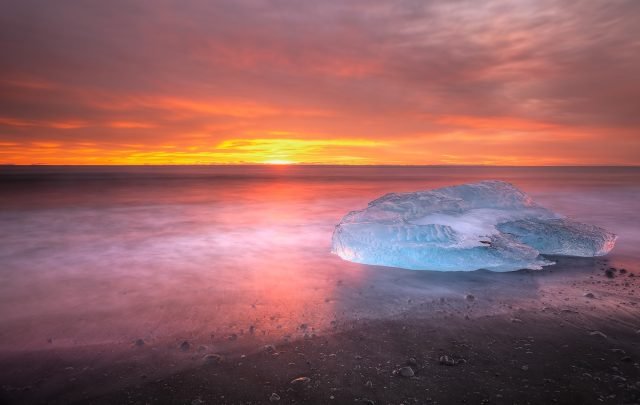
pixel 226 255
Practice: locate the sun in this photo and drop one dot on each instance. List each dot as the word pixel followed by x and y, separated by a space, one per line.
pixel 278 162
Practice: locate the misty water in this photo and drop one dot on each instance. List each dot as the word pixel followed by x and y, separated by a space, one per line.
pixel 235 256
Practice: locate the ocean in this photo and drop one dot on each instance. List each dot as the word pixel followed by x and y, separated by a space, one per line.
pixel 236 256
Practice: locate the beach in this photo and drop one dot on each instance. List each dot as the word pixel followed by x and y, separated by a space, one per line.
pixel 217 285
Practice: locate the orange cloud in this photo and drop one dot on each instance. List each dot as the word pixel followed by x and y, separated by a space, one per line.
pixel 232 151
pixel 297 150
pixel 14 122
pixel 198 107
pixel 493 123
pixel 29 83
pixel 130 124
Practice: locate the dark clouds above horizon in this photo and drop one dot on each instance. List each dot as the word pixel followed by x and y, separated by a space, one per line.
pixel 415 82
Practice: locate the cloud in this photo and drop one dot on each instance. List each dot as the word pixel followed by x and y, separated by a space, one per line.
pixel 15 122
pixel 337 151
pixel 196 73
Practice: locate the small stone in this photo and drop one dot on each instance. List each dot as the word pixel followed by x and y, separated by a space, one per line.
pixel 185 346
pixel 626 359
pixel 447 361
pixel 274 397
pixel 270 349
pixel 516 320
pixel 139 342
pixel 412 361
pixel 623 271
pixel 597 333
pixel 406 372
pixel 469 297
pixel 197 401
pixel 300 381
pixel 525 368
pixel 609 273
pixel 589 295
pixel 367 401
pixel 212 358
pixel 368 384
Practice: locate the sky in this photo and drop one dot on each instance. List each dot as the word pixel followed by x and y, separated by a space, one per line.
pixel 544 82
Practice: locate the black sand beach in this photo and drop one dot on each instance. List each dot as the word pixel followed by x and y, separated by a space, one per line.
pixel 575 340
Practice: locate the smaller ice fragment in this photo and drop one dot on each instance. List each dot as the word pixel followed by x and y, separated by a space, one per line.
pixel 490 225
pixel 561 236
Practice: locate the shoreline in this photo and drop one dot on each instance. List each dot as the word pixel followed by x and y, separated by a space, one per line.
pixel 555 346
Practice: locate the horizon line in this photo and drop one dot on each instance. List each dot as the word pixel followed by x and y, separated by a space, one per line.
pixel 309 164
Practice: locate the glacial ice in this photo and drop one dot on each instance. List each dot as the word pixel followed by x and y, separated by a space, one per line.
pixel 487 225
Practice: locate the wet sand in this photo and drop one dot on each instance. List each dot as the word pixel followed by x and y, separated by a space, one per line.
pixel 567 334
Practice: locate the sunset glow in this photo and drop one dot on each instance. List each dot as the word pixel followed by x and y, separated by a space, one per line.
pixel 278 162
pixel 319 202
pixel 328 83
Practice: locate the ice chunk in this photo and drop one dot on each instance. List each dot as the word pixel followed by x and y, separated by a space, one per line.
pixel 487 225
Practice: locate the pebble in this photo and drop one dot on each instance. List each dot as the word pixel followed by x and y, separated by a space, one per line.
pixel 185 346
pixel 274 397
pixel 139 342
pixel 212 358
pixel 469 297
pixel 597 333
pixel 300 381
pixel 589 295
pixel 447 361
pixel 406 372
